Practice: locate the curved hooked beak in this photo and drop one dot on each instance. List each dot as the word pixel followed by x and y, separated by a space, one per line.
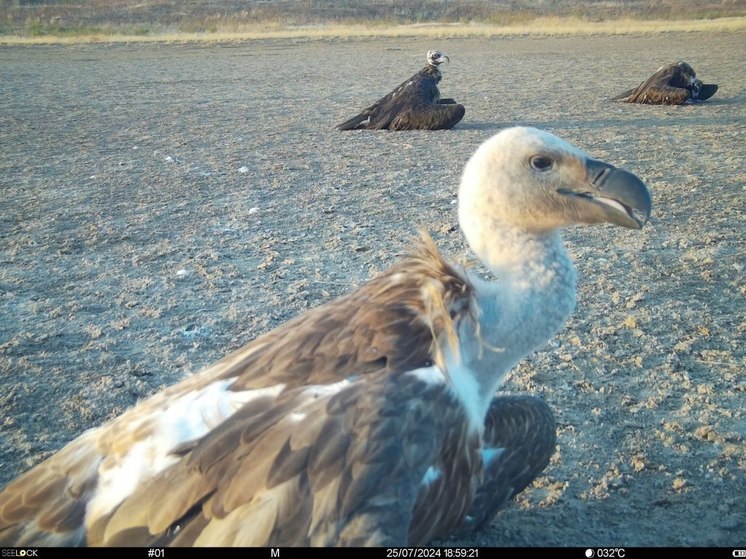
pixel 622 197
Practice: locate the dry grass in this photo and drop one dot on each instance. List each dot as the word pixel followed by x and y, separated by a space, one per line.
pixel 546 26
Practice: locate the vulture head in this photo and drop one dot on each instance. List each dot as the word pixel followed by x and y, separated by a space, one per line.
pixel 435 57
pixel 530 181
pixel 688 70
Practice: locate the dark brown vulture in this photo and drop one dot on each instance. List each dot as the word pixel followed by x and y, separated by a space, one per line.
pixel 372 420
pixel 674 84
pixel 414 105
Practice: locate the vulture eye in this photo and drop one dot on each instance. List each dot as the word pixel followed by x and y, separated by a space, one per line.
pixel 541 162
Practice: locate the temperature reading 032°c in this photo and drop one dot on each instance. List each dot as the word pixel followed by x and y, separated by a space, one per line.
pixel 606 552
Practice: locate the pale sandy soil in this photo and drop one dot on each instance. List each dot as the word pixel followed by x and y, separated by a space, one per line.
pixel 164 204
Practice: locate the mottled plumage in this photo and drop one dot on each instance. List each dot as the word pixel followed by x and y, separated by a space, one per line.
pixel 371 420
pixel 414 105
pixel 673 84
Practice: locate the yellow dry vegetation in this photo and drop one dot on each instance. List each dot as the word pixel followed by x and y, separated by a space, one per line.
pixel 546 26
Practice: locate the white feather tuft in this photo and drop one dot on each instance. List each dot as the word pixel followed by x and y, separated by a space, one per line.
pixel 182 419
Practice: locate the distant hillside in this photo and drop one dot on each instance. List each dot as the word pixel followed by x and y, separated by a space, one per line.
pixel 60 17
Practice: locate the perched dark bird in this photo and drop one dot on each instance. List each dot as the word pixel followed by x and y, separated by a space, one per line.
pixel 674 84
pixel 371 420
pixel 414 105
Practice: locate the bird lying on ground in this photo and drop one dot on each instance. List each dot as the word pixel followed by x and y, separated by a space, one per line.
pixel 414 105
pixel 673 84
pixel 372 420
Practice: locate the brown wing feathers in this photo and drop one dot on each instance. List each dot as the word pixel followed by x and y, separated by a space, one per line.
pixel 284 453
pixel 385 325
pixel 523 430
pixel 442 503
pixel 46 506
pixel 413 105
pixel 673 84
pixel 338 475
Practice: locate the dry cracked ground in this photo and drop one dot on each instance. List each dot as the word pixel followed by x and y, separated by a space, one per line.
pixel 163 204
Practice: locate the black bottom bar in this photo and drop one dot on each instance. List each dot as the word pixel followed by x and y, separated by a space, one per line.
pixel 365 553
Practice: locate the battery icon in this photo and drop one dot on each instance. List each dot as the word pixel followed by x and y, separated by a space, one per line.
pixel 739 553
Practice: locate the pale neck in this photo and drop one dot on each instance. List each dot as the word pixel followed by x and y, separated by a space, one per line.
pixel 530 301
pixel 513 252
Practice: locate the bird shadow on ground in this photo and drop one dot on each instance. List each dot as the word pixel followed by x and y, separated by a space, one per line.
pixel 607 123
pixel 482 125
pixel 642 114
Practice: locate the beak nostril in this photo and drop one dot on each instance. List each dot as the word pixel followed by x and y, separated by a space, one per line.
pixel 600 176
pixel 598 172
